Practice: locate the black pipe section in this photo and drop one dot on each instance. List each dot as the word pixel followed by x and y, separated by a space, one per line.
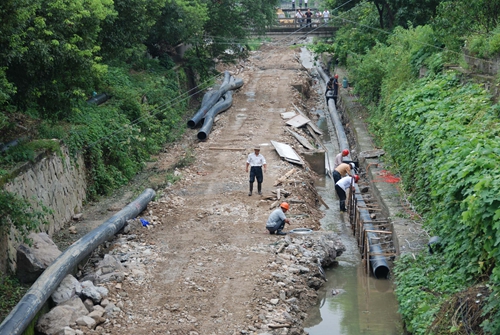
pixel 212 97
pixel 224 103
pixel 20 317
pixel 209 99
pixel 380 267
pixel 98 99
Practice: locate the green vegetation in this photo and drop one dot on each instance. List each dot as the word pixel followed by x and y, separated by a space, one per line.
pixel 21 213
pixel 441 134
pixel 54 55
pixel 11 292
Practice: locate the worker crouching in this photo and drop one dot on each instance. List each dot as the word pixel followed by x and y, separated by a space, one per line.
pixel 277 219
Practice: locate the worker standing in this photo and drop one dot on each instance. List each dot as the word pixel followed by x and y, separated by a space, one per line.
pixel 339 158
pixel 256 162
pixel 341 187
pixel 277 219
pixel 335 88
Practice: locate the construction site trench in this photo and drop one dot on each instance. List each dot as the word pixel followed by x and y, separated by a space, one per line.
pixel 205 264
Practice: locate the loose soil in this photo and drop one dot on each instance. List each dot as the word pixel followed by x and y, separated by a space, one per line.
pixel 208 266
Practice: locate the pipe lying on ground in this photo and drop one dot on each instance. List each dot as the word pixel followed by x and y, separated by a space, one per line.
pixel 20 317
pixel 380 267
pixel 98 99
pixel 209 99
pixel 224 103
pixel 212 97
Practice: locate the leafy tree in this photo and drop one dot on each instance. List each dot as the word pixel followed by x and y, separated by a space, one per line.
pixel 392 13
pixel 180 21
pixel 54 60
pixel 16 16
pixel 123 34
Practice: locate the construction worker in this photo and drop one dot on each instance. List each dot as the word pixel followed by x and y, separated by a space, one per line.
pixel 343 170
pixel 339 158
pixel 341 187
pixel 256 161
pixel 277 219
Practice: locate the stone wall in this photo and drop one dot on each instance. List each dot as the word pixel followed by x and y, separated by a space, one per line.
pixel 58 183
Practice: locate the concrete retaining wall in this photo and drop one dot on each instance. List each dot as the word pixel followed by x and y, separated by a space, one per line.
pixel 58 182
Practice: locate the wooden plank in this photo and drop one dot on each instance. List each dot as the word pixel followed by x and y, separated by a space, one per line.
pixel 302 140
pixel 316 129
pixel 315 136
pixel 278 194
pixel 226 148
pixel 318 196
pixel 379 231
pixel 283 178
pixel 298 121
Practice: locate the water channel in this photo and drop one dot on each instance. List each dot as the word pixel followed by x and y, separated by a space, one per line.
pixel 351 302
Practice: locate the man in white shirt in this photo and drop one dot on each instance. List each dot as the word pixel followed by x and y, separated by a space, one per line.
pixel 256 161
pixel 341 187
pixel 299 17
pixel 326 15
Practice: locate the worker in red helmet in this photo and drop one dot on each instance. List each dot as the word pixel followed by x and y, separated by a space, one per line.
pixel 277 219
pixel 342 186
pixel 340 157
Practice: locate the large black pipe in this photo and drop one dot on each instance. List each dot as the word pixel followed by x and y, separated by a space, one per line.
pixel 380 267
pixel 213 98
pixel 224 103
pixel 20 317
pixel 209 99
pixel 98 99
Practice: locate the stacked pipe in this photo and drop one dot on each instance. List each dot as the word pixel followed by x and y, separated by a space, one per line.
pixel 380 267
pixel 214 102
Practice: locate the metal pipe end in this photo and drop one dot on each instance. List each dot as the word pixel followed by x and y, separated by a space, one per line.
pixel 191 124
pixel 202 136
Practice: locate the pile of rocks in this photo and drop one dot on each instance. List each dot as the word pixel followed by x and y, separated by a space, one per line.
pixel 288 286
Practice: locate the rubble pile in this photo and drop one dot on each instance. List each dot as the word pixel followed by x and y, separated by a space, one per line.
pixel 98 302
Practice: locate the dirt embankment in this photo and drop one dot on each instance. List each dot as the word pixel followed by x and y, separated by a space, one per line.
pixel 207 265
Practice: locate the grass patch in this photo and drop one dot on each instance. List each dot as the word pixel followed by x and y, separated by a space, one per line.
pixel 11 291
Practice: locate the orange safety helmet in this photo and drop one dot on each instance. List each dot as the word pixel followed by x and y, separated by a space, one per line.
pixel 336 76
pixel 356 178
pixel 345 152
pixel 285 205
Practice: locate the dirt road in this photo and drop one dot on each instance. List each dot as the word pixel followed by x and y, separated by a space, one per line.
pixel 206 265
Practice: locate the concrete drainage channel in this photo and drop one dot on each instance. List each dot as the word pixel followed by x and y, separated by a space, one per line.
pixel 358 297
pixel 374 236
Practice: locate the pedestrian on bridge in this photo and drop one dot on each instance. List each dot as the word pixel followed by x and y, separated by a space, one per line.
pixel 309 15
pixel 342 186
pixel 256 162
pixel 326 15
pixel 299 17
pixel 293 4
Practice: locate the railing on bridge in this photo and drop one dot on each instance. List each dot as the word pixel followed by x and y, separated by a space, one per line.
pixel 287 23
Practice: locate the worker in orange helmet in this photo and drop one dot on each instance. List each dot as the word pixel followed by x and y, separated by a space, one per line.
pixel 277 219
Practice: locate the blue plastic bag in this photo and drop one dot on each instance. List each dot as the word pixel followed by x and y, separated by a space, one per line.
pixel 144 222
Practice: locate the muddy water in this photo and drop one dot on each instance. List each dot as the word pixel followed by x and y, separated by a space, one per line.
pixel 351 302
